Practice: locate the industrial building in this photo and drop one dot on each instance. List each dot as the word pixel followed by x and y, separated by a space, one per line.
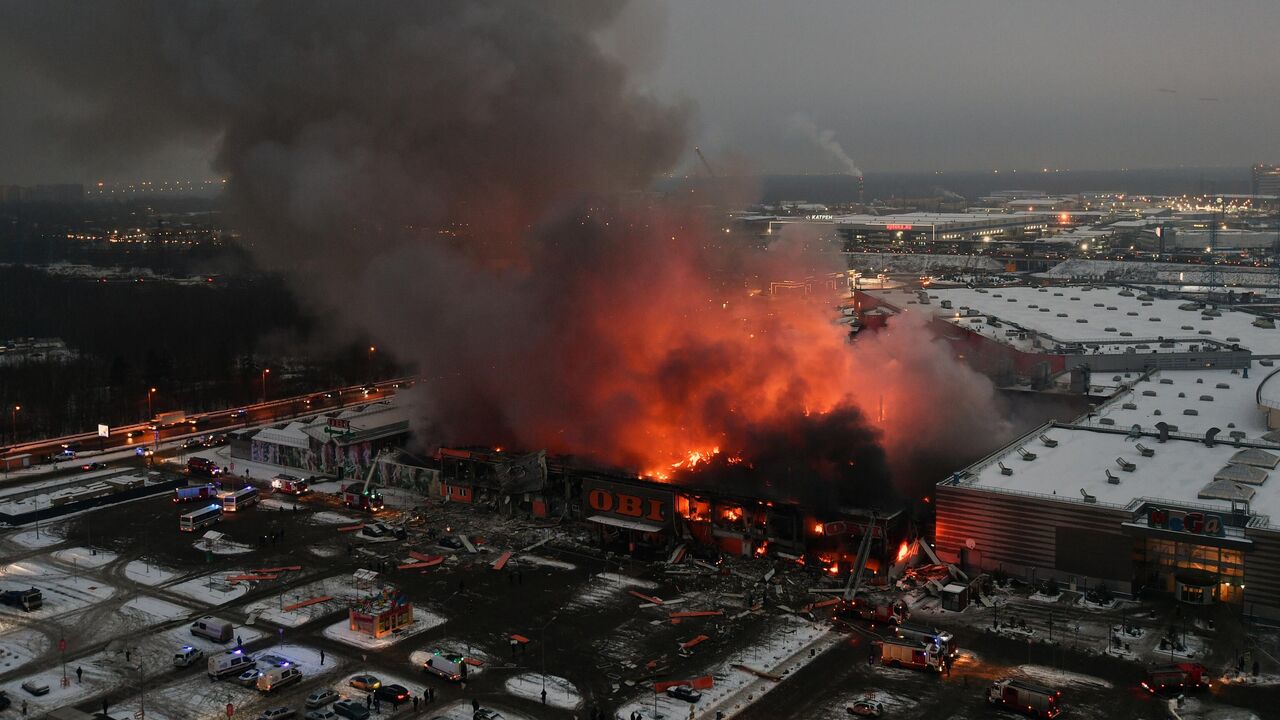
pixel 1165 488
pixel 344 444
pixel 933 228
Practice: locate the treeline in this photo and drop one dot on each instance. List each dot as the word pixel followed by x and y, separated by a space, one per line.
pixel 201 347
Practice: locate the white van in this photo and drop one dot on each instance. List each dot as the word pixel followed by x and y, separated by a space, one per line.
pixel 212 628
pixel 187 655
pixel 231 662
pixel 278 677
pixel 444 666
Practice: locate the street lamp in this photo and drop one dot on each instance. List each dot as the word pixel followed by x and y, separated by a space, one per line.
pixel 150 413
pixel 14 416
pixel 264 383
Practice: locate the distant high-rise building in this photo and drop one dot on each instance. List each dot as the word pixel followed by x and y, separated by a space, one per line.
pixel 1266 179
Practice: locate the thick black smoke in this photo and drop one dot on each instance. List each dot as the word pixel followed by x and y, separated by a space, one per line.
pixel 830 460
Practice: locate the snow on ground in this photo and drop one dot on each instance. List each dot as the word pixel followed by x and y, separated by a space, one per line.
pixel 452 647
pixel 324 551
pixel 560 692
pixel 608 587
pixel 1201 708
pixel 19 646
pixel 223 546
pixel 195 698
pixel 338 587
pixel 38 537
pixel 542 561
pixel 783 651
pixel 211 589
pixel 1053 677
pixel 154 608
pixel 329 517
pixel 894 705
pixel 423 620
pixel 148 573
pixel 64 589
pixel 84 557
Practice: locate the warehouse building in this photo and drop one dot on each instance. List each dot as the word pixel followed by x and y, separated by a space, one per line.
pixel 1166 488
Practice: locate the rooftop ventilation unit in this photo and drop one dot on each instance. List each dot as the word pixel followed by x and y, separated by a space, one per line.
pixel 1163 428
pixel 1087 497
pixel 1255 458
pixel 1226 490
pixel 1247 474
pixel 1125 465
pixel 1048 441
pixel 1144 450
pixel 1210 435
pixel 1111 479
pixel 1004 470
pixel 1028 456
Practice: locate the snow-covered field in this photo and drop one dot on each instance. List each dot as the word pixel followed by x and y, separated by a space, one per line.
pixel 784 651
pixel 461 710
pixel 423 620
pixel 339 587
pixel 541 561
pixel 153 610
pixel 38 537
pixel 607 587
pixel 560 692
pixel 222 546
pixel 64 589
pixel 329 517
pixel 148 573
pixel 84 557
pixel 211 589
pixel 19 645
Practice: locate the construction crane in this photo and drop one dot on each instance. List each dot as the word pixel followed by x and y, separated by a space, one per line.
pixel 703 158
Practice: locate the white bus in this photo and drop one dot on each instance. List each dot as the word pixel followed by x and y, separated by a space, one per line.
pixel 203 517
pixel 234 500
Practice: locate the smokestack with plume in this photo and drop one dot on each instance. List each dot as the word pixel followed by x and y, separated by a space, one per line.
pixel 825 140
pixel 458 180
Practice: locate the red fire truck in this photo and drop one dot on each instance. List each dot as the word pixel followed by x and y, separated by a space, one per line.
pixel 1176 678
pixel 1025 697
pixel 909 654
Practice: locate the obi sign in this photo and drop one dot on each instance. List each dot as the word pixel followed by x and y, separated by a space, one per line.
pixel 1196 523
pixel 628 502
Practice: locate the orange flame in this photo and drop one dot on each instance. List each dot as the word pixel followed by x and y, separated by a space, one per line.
pixel 903 550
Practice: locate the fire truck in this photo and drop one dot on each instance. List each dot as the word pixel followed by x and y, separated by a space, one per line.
pixel 195 492
pixel 909 654
pixel 1025 697
pixel 924 634
pixel 876 612
pixel 289 484
pixel 1176 678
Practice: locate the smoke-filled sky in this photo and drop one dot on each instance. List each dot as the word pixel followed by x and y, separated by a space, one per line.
pixel 914 85
pixel 465 182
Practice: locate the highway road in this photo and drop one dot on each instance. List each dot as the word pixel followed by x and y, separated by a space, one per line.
pixel 140 434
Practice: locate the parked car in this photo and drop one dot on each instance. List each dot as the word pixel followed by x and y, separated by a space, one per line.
pixel 365 682
pixel 685 693
pixel 450 541
pixel 187 655
pixel 249 678
pixel 351 710
pixel 867 708
pixel 321 697
pixel 63 455
pixel 5 702
pixel 89 467
pixel 393 693
pixel 239 413
pixel 278 713
pixel 323 713
pixel 35 687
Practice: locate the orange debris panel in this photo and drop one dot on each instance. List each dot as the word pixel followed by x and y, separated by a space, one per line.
pixel 520 639
pixel 423 557
pixel 307 603
pixel 695 641
pixel 351 528
pixel 290 568
pixel 473 662
pixel 696 613
pixel 250 578
pixel 501 562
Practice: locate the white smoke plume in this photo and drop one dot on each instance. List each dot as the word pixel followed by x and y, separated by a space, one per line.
pixel 804 126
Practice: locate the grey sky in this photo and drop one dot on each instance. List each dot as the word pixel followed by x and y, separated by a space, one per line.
pixel 944 84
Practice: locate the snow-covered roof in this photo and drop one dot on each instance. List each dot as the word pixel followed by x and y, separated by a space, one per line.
pixel 1256 458
pixel 1246 474
pixel 291 435
pixel 1096 315
pixel 1085 460
pixel 1167 395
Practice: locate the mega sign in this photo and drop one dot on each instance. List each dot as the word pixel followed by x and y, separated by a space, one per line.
pixel 629 502
pixel 1196 523
pixel 891 226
